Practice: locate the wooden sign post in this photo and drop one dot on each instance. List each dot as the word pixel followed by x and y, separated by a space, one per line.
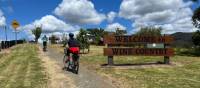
pixel 114 42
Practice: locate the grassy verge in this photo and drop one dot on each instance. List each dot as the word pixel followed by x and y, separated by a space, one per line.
pixel 184 74
pixel 187 52
pixel 22 68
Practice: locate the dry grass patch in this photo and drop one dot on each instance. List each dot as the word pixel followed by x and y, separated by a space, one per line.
pixel 22 68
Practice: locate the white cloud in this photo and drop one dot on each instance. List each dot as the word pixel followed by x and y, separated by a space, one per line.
pixel 2 19
pixel 181 25
pixel 29 34
pixel 114 26
pixel 79 11
pixel 111 16
pixel 164 13
pixel 132 9
pixel 50 24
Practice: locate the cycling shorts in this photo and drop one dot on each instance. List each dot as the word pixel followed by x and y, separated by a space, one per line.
pixel 74 50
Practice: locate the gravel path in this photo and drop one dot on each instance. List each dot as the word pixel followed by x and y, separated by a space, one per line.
pixel 85 78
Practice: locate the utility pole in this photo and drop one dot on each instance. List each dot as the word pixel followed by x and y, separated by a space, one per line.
pixel 7 45
pixel 15 36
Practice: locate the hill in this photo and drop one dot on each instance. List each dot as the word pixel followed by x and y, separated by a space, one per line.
pixel 182 39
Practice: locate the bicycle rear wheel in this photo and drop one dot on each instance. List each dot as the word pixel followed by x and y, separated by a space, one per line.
pixel 76 63
pixel 77 67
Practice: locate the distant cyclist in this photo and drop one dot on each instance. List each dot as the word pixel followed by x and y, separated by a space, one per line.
pixel 44 39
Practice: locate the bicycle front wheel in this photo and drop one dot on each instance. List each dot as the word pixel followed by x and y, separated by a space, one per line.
pixel 65 61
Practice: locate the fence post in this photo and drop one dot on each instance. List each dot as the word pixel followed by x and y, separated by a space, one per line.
pixel 6 44
pixel 3 45
pixel 110 58
pixel 166 58
pixel 0 46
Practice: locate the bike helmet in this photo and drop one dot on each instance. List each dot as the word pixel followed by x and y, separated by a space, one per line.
pixel 71 35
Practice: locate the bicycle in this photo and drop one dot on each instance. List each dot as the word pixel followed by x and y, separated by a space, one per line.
pixel 72 63
pixel 44 48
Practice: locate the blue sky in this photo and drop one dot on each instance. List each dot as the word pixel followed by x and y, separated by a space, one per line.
pixel 28 11
pixel 25 11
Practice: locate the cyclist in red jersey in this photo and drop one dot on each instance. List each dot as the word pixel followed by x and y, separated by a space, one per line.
pixel 73 45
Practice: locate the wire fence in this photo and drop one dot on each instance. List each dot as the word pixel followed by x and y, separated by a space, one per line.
pixel 8 44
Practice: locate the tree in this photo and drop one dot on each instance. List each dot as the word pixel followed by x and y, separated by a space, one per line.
pixel 196 23
pixel 196 38
pixel 53 39
pixel 37 33
pixel 196 41
pixel 120 32
pixel 194 0
pixel 64 40
pixel 98 33
pixel 196 18
pixel 82 37
pixel 150 31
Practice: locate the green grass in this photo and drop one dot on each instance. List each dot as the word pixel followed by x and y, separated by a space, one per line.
pixel 184 74
pixel 22 68
pixel 187 52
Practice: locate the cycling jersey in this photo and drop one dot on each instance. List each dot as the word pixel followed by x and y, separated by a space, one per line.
pixel 44 39
pixel 73 43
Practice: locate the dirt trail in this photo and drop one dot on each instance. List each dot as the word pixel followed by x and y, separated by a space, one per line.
pixel 85 78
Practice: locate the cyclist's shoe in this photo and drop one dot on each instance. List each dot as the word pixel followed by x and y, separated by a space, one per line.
pixel 64 68
pixel 70 60
pixel 66 61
